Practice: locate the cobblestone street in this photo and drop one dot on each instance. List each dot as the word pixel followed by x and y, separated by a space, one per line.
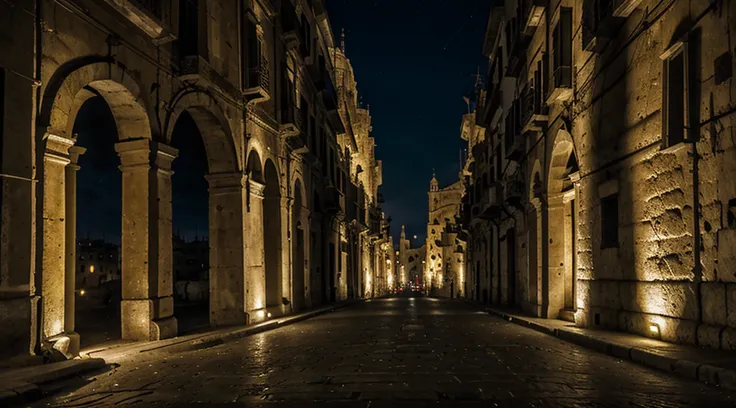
pixel 416 351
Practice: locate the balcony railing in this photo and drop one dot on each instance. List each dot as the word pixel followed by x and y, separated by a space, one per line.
pixel 533 116
pixel 258 79
pixel 334 201
pixel 561 89
pixel 292 31
pixel 514 192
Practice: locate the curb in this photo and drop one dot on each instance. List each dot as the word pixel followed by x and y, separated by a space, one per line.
pixel 213 340
pixel 692 370
pixel 26 388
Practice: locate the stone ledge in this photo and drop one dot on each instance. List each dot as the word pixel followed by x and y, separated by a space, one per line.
pixel 714 367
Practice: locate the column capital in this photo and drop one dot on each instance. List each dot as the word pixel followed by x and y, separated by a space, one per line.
pixel 143 153
pixel 223 183
pixel 74 153
pixel 57 148
pixel 256 188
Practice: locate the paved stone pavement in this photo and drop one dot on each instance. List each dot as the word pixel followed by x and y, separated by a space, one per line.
pixel 392 352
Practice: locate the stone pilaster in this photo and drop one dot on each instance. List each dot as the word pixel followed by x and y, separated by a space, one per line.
pixel 255 253
pixel 147 308
pixel 53 290
pixel 227 272
pixel 71 245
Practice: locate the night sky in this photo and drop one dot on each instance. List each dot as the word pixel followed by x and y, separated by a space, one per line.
pixel 414 61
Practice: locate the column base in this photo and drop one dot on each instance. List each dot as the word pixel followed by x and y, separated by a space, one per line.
pixel 222 318
pixel 19 326
pixel 148 319
pixel 67 344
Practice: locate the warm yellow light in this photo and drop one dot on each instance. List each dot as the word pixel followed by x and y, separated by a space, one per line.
pixel 269 315
pixel 91 269
pixel 82 292
pixel 654 328
pixel 388 262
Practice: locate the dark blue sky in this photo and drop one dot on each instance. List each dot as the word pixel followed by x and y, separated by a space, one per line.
pixel 414 61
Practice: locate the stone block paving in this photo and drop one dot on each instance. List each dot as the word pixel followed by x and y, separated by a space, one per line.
pixel 408 352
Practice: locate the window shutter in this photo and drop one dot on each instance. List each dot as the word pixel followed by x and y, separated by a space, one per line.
pixel 588 28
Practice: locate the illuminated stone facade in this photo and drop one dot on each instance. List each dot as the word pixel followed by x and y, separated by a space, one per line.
pixel 609 134
pixel 294 218
pixel 445 244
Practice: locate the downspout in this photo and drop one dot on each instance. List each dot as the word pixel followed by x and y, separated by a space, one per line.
pixel 38 278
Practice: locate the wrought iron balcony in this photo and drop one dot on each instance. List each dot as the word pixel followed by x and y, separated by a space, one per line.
pixel 292 31
pixel 258 81
pixel 489 206
pixel 561 89
pixel 514 192
pixel 533 114
pixel 334 201
pixel 292 129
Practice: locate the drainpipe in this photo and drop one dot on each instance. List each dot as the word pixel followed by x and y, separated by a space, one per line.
pixel 39 197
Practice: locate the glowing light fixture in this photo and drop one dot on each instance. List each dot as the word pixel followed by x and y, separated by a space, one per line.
pixel 269 315
pixel 91 269
pixel 82 292
pixel 654 329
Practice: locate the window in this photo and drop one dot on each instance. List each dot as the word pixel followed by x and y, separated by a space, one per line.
pixel 675 95
pixel 562 50
pixel 254 61
pixel 609 221
pixel 188 28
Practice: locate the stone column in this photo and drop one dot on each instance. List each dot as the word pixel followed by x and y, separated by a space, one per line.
pixel 227 272
pixel 71 245
pixel 286 252
pixel 255 254
pixel 53 292
pixel 147 308
pixel 555 244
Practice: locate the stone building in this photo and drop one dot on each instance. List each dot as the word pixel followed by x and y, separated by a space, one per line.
pixel 98 261
pixel 608 143
pixel 445 245
pixel 294 219
pixel 411 260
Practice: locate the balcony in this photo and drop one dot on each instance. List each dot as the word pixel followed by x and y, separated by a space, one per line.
pixel 334 201
pixel 516 43
pixel 292 31
pixel 195 68
pixel 489 206
pixel 292 129
pixel 514 192
pixel 601 19
pixel 533 115
pixel 330 100
pixel 316 68
pixel 561 90
pixel 531 14
pixel 257 81
pixel 513 138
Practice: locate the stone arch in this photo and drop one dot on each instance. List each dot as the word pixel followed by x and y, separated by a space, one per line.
pixel 213 125
pixel 78 80
pixel 147 286
pixel 226 199
pixel 272 234
pixel 563 149
pixel 298 246
pixel 253 166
